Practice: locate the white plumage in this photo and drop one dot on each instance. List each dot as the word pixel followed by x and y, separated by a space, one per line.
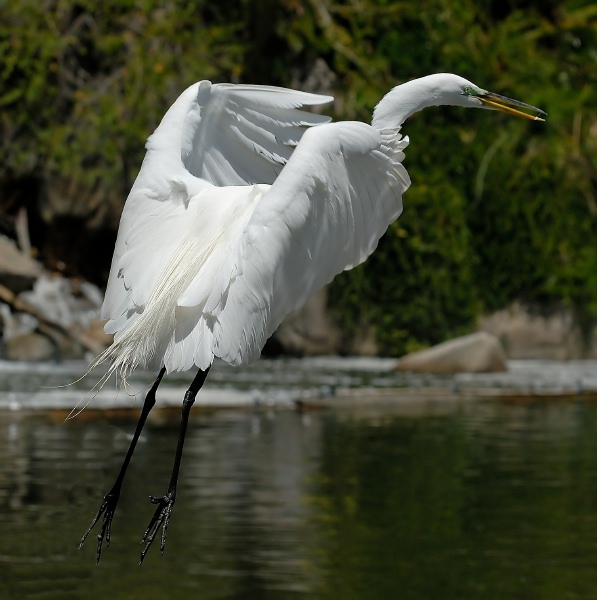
pixel 244 207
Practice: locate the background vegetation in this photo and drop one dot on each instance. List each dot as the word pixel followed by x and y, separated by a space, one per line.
pixel 499 209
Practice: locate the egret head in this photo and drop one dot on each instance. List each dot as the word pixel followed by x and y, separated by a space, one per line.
pixel 444 89
pixel 473 95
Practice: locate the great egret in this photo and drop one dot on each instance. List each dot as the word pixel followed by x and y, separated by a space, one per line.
pixel 246 205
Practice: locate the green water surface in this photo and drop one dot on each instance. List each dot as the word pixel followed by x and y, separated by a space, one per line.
pixel 463 500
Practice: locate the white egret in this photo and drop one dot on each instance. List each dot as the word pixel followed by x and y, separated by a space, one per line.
pixel 245 206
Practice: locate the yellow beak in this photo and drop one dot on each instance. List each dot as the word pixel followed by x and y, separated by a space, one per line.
pixel 498 102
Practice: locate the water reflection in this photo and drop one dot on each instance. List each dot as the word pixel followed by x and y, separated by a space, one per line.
pixel 473 500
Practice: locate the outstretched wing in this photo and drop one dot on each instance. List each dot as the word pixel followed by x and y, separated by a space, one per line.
pixel 220 135
pixel 243 134
pixel 201 270
pixel 325 213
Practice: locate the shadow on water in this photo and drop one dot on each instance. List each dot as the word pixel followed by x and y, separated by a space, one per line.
pixel 466 500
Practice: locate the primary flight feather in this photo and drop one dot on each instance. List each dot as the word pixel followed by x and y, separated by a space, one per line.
pixel 244 207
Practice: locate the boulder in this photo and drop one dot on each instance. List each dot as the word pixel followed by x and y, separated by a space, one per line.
pixel 95 332
pixel 308 330
pixel 530 333
pixel 311 331
pixel 30 347
pixel 56 311
pixel 18 271
pixel 61 300
pixel 475 353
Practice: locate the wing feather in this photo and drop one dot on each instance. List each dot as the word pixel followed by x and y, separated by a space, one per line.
pixel 243 134
pixel 206 265
pixel 325 213
pixel 220 134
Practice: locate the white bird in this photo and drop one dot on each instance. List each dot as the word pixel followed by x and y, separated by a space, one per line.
pixel 244 207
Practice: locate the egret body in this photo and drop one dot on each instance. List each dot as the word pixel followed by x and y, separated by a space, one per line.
pixel 244 207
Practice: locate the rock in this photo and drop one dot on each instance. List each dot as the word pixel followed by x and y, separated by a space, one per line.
pixel 308 331
pixel 475 353
pixel 18 271
pixel 95 332
pixel 30 347
pixel 59 311
pixel 363 343
pixel 67 302
pixel 529 334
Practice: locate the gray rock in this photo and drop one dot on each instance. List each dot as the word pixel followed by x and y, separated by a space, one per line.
pixel 18 271
pixel 59 311
pixel 30 347
pixel 475 353
pixel 527 334
pixel 309 331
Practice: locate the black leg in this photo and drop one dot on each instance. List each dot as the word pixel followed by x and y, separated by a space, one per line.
pixel 165 503
pixel 108 506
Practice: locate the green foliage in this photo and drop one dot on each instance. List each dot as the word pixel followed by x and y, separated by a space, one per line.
pixel 500 208
pixel 523 194
pixel 84 83
pixel 422 290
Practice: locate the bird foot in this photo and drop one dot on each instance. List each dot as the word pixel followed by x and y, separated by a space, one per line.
pixel 107 509
pixel 161 518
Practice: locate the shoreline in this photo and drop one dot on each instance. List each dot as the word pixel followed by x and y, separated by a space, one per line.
pixel 303 384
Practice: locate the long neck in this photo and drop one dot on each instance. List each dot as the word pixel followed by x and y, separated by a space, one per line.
pixel 406 99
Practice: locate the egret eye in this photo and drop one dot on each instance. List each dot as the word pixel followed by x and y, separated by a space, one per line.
pixel 468 90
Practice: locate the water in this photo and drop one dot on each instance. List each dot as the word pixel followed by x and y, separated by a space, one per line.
pixel 454 499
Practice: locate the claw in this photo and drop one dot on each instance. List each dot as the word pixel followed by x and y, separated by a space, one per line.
pixel 107 509
pixel 161 518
